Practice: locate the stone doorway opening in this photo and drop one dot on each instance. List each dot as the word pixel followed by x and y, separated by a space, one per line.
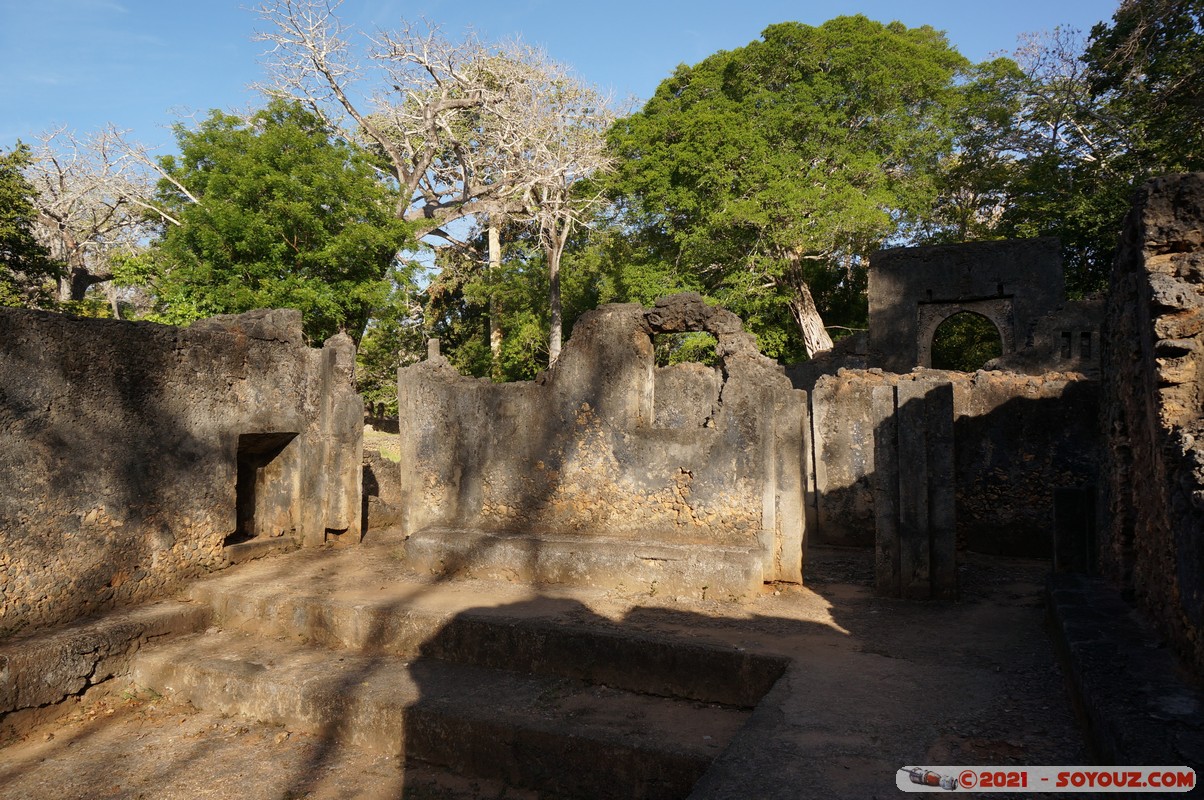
pixel 262 500
pixel 965 341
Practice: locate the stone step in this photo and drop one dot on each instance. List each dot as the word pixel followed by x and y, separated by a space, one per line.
pixel 560 736
pixel 700 571
pixel 495 626
pixel 43 668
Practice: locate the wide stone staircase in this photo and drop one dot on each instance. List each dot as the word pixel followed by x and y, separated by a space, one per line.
pixel 534 689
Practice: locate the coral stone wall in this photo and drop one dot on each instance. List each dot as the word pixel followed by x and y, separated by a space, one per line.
pixel 605 444
pixel 1017 439
pixel 1154 410
pixel 913 289
pixel 119 449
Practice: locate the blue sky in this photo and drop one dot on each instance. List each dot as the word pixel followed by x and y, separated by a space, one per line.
pixel 145 64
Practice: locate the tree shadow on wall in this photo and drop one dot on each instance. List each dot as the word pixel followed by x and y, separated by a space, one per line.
pixel 98 454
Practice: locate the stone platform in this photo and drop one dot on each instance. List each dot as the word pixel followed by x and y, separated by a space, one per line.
pixel 696 570
pixel 351 674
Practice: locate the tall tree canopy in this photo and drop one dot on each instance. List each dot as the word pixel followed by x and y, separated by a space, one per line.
pixel 465 128
pixel 276 211
pixel 1147 68
pixel 771 171
pixel 91 193
pixel 452 121
pixel 1095 117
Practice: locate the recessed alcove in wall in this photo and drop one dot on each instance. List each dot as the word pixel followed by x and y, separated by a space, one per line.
pixel 263 498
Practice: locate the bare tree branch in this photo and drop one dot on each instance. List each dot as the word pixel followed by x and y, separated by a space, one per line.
pixel 89 192
pixel 450 118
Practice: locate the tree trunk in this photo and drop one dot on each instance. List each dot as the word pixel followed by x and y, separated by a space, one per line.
pixel 495 324
pixel 75 284
pixel 114 301
pixel 810 324
pixel 556 333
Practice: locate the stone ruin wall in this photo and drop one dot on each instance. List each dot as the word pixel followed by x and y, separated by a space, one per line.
pixel 119 443
pixel 1017 438
pixel 912 290
pixel 1153 544
pixel 605 442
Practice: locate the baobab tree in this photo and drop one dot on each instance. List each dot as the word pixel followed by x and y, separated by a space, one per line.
pixel 433 109
pixel 90 194
pixel 567 146
pixel 464 129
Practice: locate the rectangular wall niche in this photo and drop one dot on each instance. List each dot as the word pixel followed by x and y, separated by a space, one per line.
pixel 264 489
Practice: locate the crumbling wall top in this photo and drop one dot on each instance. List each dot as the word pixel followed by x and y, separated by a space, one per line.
pixel 268 324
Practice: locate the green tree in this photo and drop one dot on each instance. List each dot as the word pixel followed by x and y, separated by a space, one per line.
pixel 1147 68
pixel 973 179
pixel 394 338
pixel 465 304
pixel 770 172
pixel 275 211
pixel 1072 167
pixel 27 273
pixel 1096 118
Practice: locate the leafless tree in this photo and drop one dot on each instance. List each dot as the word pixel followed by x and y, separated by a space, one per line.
pixel 495 131
pixel 567 145
pixel 1058 112
pixel 91 194
pixel 434 109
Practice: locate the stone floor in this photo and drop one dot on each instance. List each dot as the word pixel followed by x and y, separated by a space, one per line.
pixel 872 685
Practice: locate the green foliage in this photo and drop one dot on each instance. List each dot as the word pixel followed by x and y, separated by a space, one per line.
pixel 463 297
pixel 678 348
pixel 27 272
pixel 965 342
pixel 275 212
pixel 1085 123
pixel 778 167
pixel 393 338
pixel 1148 69
pixel 457 309
pixel 1081 203
pixel 91 307
pixel 973 179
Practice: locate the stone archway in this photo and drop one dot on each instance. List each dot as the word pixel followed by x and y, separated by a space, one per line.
pixel 965 342
pixel 997 310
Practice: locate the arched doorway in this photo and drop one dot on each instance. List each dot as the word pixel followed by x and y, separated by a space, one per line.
pixel 965 341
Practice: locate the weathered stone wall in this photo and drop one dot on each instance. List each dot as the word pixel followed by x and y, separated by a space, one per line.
pixel 1154 410
pixel 120 444
pixel 1065 340
pixel 915 552
pixel 913 289
pixel 382 489
pixel 1017 439
pixel 606 443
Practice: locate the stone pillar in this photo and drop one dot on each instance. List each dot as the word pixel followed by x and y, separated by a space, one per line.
pixel 915 523
pixel 789 449
pixel 341 422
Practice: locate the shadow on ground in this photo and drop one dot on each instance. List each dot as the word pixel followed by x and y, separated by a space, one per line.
pixel 867 686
